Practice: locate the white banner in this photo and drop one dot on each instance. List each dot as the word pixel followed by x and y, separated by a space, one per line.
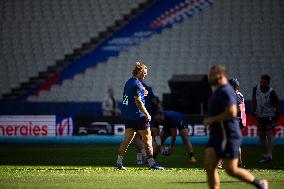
pixel 26 125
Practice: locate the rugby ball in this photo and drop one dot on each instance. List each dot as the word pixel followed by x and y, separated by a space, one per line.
pixel 166 151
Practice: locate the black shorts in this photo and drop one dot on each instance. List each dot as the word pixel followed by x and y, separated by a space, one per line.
pixel 229 151
pixel 137 125
pixel 266 123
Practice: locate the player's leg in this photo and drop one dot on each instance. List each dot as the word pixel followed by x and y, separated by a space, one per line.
pixel 210 163
pixel 146 135
pixel 128 137
pixel 141 153
pixel 262 141
pixel 188 144
pixel 232 169
pixel 270 143
pixel 240 161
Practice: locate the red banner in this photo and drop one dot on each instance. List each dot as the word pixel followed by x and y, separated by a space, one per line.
pixel 251 128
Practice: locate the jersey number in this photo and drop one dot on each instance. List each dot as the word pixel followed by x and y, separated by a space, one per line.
pixel 125 100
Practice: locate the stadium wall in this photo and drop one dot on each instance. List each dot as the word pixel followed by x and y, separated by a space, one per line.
pixel 82 123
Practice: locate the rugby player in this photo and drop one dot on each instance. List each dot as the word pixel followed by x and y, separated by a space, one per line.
pixel 265 108
pixel 152 104
pixel 225 135
pixel 171 122
pixel 136 117
pixel 241 114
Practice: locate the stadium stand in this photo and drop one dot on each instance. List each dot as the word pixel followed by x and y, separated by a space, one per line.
pixel 36 34
pixel 245 35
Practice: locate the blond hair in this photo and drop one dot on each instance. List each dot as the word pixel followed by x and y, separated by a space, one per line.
pixel 138 68
pixel 219 69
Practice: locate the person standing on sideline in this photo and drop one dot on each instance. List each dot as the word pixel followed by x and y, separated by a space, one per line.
pixel 225 135
pixel 109 105
pixel 136 117
pixel 265 109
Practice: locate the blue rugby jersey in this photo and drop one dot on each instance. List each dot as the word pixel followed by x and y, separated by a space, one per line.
pixel 133 87
pixel 219 100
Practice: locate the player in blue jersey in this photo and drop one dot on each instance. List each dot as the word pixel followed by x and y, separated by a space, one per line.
pixel 171 122
pixel 225 135
pixel 136 116
pixel 152 104
pixel 241 116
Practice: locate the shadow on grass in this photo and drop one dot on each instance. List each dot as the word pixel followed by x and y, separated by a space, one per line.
pixel 104 155
pixel 203 182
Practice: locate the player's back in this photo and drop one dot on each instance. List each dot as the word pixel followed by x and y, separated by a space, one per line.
pixel 220 99
pixel 132 88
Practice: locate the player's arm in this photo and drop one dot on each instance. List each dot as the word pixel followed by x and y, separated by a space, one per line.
pixel 275 103
pixel 141 107
pixel 155 132
pixel 173 141
pixel 253 104
pixel 229 113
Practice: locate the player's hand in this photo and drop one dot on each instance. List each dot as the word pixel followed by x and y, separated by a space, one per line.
pixel 148 117
pixel 146 92
pixel 208 121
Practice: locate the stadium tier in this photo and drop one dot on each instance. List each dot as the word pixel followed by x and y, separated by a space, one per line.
pixel 34 34
pixel 245 35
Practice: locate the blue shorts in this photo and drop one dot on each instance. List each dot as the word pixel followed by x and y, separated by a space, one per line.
pixel 136 125
pixel 229 149
pixel 179 127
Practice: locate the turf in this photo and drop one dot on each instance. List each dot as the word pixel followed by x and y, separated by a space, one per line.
pixel 91 166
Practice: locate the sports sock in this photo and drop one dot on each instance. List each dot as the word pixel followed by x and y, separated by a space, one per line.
pixel 119 160
pixel 269 155
pixel 139 156
pixel 255 182
pixel 143 151
pixel 151 161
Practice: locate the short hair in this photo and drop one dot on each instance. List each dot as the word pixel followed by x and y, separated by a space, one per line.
pixel 219 69
pixel 266 77
pixel 138 68
pixel 234 83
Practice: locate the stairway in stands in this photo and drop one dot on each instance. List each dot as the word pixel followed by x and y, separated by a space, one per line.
pixel 46 78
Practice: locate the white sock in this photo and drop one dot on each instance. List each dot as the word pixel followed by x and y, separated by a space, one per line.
pixel 151 161
pixel 139 156
pixel 119 160
pixel 143 151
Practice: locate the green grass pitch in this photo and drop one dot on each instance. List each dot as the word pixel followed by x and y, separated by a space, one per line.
pixel 91 166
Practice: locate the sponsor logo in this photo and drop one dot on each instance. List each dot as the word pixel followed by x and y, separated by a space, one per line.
pixel 27 125
pixel 64 126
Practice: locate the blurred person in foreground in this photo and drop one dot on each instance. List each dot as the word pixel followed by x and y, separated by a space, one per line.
pixel 225 135
pixel 136 117
pixel 265 109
